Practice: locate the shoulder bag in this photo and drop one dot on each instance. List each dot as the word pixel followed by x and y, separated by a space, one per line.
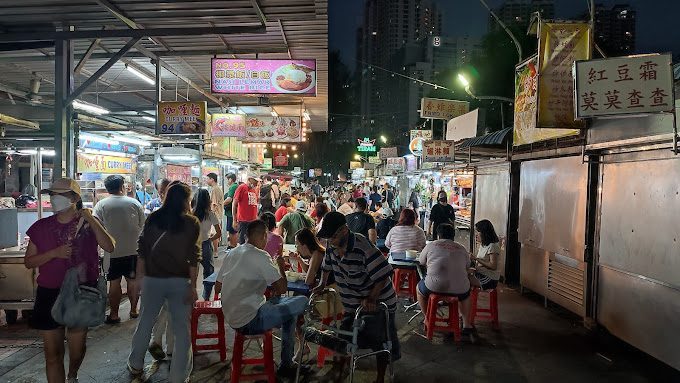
pixel 80 306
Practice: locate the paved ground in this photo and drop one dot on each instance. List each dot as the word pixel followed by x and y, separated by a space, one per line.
pixel 534 345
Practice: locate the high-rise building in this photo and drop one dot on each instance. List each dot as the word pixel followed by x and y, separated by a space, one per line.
pixel 388 27
pixel 615 29
pixel 518 12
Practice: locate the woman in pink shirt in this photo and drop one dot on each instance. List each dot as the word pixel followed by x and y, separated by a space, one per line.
pixel 274 241
pixel 67 239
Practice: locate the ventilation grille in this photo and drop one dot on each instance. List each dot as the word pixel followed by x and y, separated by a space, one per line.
pixel 566 281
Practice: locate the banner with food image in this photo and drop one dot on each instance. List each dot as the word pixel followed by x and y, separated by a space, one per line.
pixel 178 117
pixel 228 125
pixel 240 76
pixel 273 129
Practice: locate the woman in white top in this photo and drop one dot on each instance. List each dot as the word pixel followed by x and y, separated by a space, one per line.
pixel 486 274
pixel 406 235
pixel 208 218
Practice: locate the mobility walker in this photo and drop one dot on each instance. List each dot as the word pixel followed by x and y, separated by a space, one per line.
pixel 340 341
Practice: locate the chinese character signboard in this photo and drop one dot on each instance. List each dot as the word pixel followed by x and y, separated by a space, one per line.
pixel 280 158
pixel 236 76
pixel 94 163
pixel 178 173
pixel 181 117
pixel 438 151
pixel 442 109
pixel 396 164
pixel 624 85
pixel 386 153
pixel 228 125
pixel 560 44
pixel 366 145
pixel 273 129
pixel 526 88
pixel 374 160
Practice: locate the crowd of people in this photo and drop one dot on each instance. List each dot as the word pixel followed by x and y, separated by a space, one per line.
pixel 341 237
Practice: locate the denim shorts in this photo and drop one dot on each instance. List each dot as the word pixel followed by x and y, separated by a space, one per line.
pixel 426 292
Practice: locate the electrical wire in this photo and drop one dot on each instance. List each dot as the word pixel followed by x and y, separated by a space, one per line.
pixel 435 86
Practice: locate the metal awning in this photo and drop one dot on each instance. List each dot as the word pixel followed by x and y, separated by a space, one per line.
pixel 498 138
pixel 266 29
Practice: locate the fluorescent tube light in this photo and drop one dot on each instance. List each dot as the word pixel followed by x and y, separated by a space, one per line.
pixel 141 75
pixel 87 107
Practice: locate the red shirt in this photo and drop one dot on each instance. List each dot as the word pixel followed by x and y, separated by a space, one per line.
pixel 247 203
pixel 280 213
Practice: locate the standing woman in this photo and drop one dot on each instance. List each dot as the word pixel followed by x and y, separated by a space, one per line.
pixel 208 219
pixel 486 263
pixel 69 238
pixel 169 251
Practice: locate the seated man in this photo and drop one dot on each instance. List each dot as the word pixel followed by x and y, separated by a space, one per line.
pixel 243 278
pixel 363 278
pixel 447 265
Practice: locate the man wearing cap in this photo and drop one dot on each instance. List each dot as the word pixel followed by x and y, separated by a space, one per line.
pixel 244 206
pixel 294 221
pixel 363 278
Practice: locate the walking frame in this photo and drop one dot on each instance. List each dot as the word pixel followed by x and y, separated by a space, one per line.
pixel 334 338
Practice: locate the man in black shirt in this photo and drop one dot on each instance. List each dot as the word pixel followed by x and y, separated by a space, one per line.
pixel 375 197
pixel 388 196
pixel 441 212
pixel 361 222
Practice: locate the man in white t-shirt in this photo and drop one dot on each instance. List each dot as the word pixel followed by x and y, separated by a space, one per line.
pixel 245 274
pixel 123 217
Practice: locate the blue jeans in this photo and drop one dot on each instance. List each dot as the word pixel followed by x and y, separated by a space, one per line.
pixel 155 291
pixel 282 312
pixel 208 267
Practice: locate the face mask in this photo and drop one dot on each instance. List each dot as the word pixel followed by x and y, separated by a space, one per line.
pixel 60 203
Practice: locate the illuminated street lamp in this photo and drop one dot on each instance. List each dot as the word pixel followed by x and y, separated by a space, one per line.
pixel 295 155
pixel 383 139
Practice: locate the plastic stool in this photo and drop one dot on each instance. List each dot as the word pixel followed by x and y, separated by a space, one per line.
pixel 209 308
pixel 410 276
pixel 267 359
pixel 489 313
pixel 323 352
pixel 433 322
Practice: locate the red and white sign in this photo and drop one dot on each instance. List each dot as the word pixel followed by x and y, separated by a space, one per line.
pixel 438 151
pixel 397 164
pixel 280 158
pixel 178 173
pixel 228 125
pixel 624 85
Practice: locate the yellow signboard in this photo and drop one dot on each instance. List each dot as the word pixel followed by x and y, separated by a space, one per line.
pixel 526 103
pixel 560 45
pixel 94 163
pixel 188 117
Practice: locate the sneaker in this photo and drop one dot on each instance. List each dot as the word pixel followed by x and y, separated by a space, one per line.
pixel 156 351
pixel 134 371
pixel 290 371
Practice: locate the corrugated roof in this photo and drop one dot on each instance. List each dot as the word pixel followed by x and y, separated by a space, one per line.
pixel 304 23
pixel 496 138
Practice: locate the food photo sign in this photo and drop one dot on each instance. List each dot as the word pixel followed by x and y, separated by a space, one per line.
pixel 236 76
pixel 181 117
pixel 273 129
pixel 228 125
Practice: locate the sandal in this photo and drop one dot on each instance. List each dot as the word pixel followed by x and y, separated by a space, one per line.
pixel 110 320
pixel 134 371
pixel 134 315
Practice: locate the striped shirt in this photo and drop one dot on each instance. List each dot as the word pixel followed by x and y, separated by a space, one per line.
pixel 358 271
pixel 402 238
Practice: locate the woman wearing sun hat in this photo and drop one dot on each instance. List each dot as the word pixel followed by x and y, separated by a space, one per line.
pixel 67 239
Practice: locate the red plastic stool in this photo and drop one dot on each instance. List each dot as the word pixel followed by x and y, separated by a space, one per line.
pixel 489 313
pixel 209 308
pixel 433 322
pixel 410 276
pixel 323 352
pixel 267 359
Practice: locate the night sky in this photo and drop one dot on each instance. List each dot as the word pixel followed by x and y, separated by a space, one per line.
pixel 656 22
